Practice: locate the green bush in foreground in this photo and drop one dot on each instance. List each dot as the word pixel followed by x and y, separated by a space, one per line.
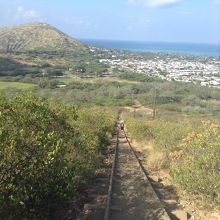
pixel 47 152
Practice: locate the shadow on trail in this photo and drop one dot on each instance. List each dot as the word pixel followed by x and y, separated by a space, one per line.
pixel 169 197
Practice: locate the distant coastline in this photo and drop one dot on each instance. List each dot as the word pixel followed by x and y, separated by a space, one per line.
pixel 158 47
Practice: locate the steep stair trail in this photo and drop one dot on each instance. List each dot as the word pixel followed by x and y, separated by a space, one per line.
pixel 131 195
pixel 126 192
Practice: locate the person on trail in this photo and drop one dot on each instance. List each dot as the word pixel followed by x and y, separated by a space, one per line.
pixel 122 126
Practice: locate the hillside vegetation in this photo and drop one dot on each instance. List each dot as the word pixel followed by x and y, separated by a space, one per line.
pixel 189 149
pixel 171 97
pixel 48 153
pixel 38 48
pixel 53 139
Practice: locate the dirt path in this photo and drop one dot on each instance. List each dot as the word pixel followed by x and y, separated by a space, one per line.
pixel 132 197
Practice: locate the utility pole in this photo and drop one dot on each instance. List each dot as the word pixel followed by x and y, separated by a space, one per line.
pixel 155 105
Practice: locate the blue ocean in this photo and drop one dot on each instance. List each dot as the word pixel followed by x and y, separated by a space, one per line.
pixel 158 47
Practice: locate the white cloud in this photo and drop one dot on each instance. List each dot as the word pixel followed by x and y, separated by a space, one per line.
pixel 20 9
pixel 154 3
pixel 22 13
pixel 80 22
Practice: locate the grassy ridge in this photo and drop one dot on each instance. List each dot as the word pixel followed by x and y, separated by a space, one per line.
pixel 36 36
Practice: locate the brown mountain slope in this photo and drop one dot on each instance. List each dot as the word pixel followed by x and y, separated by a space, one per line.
pixel 37 36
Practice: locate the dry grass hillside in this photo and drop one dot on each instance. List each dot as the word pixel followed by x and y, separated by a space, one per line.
pixel 29 49
pixel 36 36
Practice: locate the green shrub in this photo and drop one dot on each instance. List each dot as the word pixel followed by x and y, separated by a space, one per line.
pixel 47 153
pixel 196 168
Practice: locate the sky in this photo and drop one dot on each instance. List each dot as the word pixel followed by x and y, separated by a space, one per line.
pixel 189 21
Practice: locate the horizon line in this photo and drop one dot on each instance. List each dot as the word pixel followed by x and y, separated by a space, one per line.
pixel 147 41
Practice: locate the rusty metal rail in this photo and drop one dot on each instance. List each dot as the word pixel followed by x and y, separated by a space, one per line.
pixel 108 203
